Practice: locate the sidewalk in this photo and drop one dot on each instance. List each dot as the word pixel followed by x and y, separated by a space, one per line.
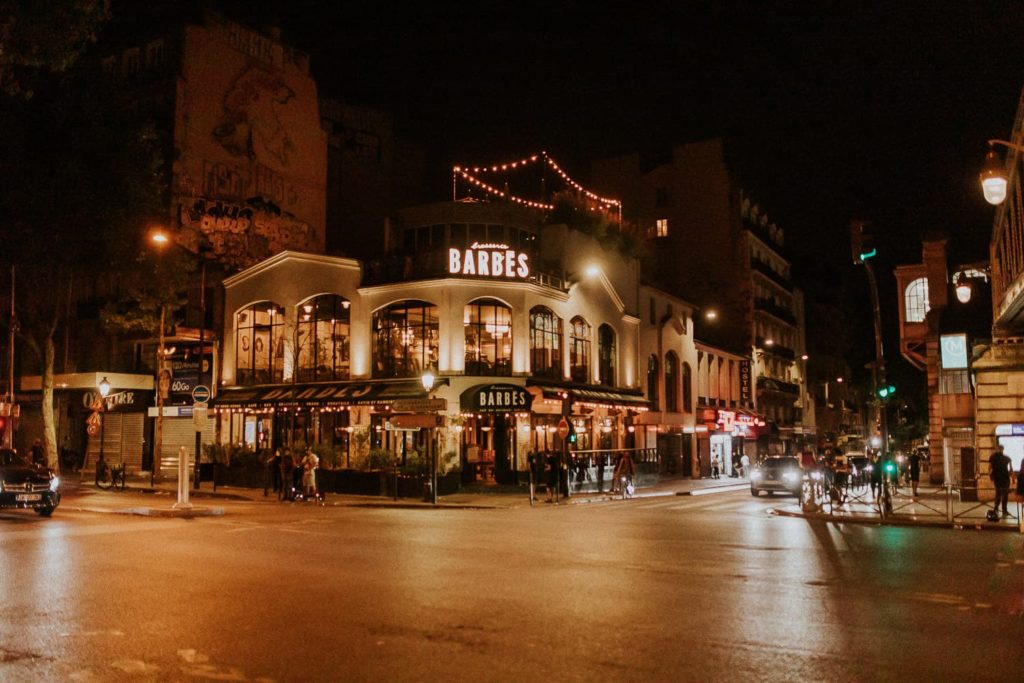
pixel 139 497
pixel 933 507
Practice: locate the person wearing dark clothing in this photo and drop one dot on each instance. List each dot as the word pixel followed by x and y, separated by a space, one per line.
pixel 999 468
pixel 38 453
pixel 287 472
pixel 914 462
pixel 275 471
pixel 876 476
pixel 552 461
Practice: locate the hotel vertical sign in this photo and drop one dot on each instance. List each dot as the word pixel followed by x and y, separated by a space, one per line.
pixel 745 394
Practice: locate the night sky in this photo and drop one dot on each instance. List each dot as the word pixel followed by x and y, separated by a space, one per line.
pixel 830 109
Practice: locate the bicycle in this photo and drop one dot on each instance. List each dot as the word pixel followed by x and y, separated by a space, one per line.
pixel 108 477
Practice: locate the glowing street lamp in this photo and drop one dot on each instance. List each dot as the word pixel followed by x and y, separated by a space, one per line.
pixel 104 387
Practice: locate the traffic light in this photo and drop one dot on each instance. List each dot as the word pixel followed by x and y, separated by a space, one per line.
pixel 862 241
pixel 572 433
pixel 886 391
pixel 889 467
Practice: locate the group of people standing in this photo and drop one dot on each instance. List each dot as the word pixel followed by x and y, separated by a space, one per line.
pixel 547 466
pixel 291 474
pixel 740 465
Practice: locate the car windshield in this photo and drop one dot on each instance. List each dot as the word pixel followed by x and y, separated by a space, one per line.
pixel 780 463
pixel 9 457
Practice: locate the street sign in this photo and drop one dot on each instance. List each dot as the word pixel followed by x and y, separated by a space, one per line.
pixel 419 405
pixel 421 421
pixel 563 428
pixel 201 393
pixel 390 427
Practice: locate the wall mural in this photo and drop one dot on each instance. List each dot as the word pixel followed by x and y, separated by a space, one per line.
pixel 252 125
pixel 244 233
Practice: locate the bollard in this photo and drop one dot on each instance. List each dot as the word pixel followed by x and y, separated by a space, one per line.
pixel 949 503
pixel 182 480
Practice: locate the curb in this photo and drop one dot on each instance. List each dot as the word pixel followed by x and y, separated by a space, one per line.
pixel 924 523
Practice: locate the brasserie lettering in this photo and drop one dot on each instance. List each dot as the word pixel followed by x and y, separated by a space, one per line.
pixel 489 262
pixel 502 399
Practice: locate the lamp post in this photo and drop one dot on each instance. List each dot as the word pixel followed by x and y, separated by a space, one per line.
pixel 427 378
pixel 104 387
pixel 160 238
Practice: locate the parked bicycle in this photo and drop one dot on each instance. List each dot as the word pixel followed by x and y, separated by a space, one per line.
pixel 108 477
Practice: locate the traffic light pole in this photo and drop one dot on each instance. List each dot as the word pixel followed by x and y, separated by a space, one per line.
pixel 880 381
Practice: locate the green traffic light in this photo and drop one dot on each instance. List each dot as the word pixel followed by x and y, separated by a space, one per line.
pixel 886 391
pixel 868 254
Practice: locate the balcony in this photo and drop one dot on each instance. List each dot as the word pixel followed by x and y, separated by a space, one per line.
pixel 778 386
pixel 772 308
pixel 775 349
pixel 766 270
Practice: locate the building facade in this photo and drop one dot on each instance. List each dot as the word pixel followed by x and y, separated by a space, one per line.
pixel 320 349
pixel 714 245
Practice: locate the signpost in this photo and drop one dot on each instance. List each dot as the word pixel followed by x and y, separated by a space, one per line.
pixel 200 398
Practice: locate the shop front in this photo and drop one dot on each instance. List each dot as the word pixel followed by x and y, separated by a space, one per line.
pixel 324 415
pixel 495 417
pixel 729 435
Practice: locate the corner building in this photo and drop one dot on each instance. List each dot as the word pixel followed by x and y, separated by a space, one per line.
pixel 523 325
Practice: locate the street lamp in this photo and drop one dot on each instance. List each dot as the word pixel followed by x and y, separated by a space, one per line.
pixel 427 378
pixel 160 239
pixel 963 288
pixel 993 173
pixel 104 387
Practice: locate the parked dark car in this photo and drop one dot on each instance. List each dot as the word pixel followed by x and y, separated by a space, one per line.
pixel 781 473
pixel 24 485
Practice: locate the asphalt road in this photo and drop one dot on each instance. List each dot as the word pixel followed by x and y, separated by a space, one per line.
pixel 701 588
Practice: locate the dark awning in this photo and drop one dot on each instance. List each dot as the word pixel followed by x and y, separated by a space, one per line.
pixel 599 396
pixel 319 394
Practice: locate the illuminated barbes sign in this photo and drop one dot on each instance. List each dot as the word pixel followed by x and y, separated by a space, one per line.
pixel 492 260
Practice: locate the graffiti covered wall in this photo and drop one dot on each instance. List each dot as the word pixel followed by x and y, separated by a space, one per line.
pixel 251 167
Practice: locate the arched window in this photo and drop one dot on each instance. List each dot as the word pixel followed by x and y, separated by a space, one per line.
pixel 687 388
pixel 545 343
pixel 405 339
pixel 321 338
pixel 652 381
pixel 259 343
pixel 579 350
pixel 606 355
pixel 488 325
pixel 916 298
pixel 671 382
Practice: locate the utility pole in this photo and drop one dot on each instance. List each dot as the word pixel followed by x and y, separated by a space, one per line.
pixel 863 249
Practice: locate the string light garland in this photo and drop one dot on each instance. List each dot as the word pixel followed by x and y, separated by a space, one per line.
pixel 469 175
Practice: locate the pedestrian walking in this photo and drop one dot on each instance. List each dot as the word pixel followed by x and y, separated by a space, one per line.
pixel 625 470
pixel 716 466
pixel 310 463
pixel 275 471
pixel 914 467
pixel 999 469
pixel 744 465
pixel 287 469
pixel 552 461
pixel 876 475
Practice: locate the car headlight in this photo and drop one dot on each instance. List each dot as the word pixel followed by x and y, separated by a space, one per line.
pixel 756 474
pixel 790 476
pixel 54 483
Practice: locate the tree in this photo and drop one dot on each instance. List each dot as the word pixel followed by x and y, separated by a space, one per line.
pixel 44 36
pixel 78 181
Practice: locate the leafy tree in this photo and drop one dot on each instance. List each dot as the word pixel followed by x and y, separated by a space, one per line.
pixel 78 180
pixel 44 36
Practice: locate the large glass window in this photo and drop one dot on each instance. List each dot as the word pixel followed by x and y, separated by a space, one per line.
pixel 671 382
pixel 321 338
pixel 488 325
pixel 579 351
pixel 259 344
pixel 606 355
pixel 652 381
pixel 405 339
pixel 545 343
pixel 916 298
